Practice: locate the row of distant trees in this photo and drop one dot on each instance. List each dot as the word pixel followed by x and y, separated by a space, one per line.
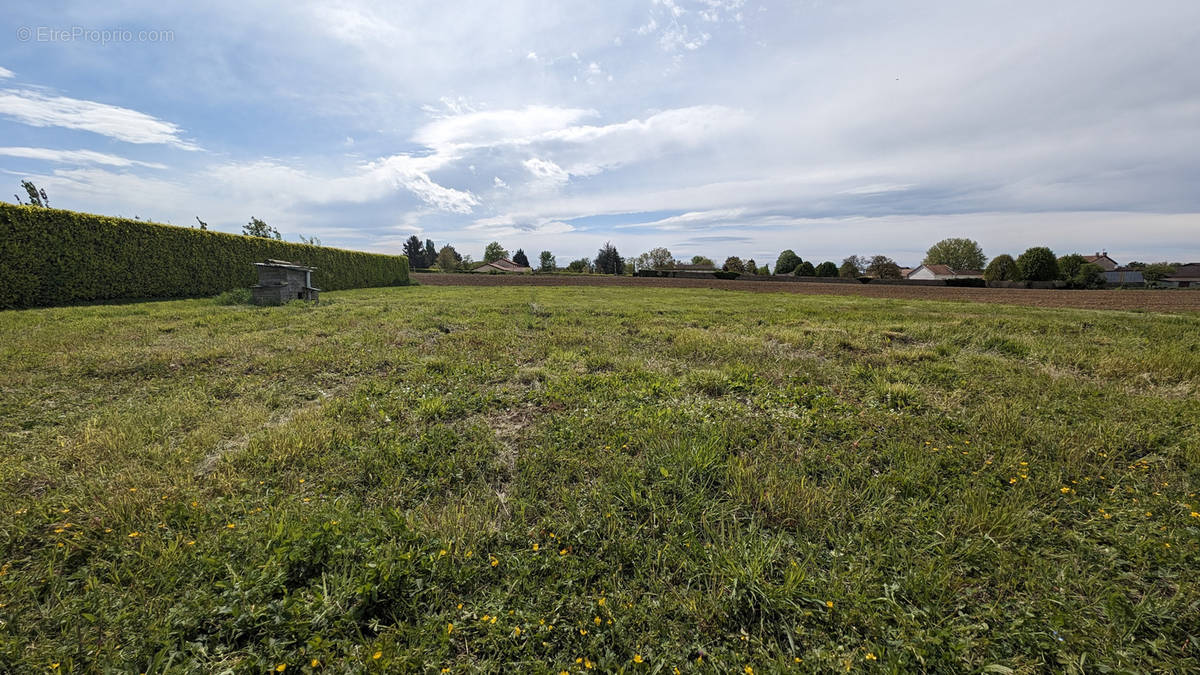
pixel 1037 263
pixel 426 255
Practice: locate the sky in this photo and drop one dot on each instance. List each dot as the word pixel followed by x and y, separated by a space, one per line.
pixel 710 127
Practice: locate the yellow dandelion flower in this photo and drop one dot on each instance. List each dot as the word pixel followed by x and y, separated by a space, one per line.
pixel 535 546
pixel 442 552
pixel 748 670
pixel 582 631
pixel 1011 481
pixel 191 542
pixel 596 621
pixel 58 530
pixel 493 620
pixel 563 552
pixel 829 604
pixel 449 628
pixel 460 605
pixel 587 665
pixel 315 663
pixel 377 655
pixel 133 535
pixel 54 666
pixel 870 656
pixel 230 526
pixel 1064 489
pixel 637 658
pixel 516 630
pixel 601 600
pixel 281 667
pixel 1195 514
pixel 495 562
pixel 301 480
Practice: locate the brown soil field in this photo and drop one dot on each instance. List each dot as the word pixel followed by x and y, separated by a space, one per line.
pixel 1129 300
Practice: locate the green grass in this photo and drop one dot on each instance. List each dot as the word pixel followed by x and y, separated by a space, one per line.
pixel 575 477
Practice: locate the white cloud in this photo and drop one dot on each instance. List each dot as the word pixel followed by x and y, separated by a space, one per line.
pixel 75 157
pixel 41 110
pixel 545 170
pixel 5 73
pixel 371 181
pixel 496 127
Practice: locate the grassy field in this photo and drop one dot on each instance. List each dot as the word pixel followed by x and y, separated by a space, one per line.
pixel 441 479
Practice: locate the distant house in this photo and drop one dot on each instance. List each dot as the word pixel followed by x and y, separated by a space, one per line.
pixel 502 266
pixel 943 272
pixel 1124 275
pixel 1187 276
pixel 905 271
pixel 1102 260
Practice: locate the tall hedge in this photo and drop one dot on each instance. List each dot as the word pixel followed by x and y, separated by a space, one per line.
pixel 53 257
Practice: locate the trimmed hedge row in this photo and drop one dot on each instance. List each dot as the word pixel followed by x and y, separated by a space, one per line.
pixel 53 257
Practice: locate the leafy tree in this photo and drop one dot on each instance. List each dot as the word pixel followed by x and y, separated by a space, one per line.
pixel 1068 265
pixel 311 241
pixel 520 259
pixel 858 262
pixel 546 262
pixel 259 228
pixel 447 259
pixel 827 269
pixel 701 260
pixel 431 253
pixel 751 266
pixel 629 268
pixel 203 225
pixel 655 259
pixel 763 271
pixel 957 253
pixel 848 270
pixel 415 252
pixel 1001 268
pixel 786 262
pixel 1089 275
pixel 582 265
pixel 883 267
pixel 1158 271
pixel 1037 264
pixel 608 261
pixel 37 197
pixel 805 269
pixel 734 264
pixel 494 252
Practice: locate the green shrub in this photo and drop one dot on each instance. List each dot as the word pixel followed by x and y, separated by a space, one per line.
pixel 1002 268
pixel 236 296
pixel 53 257
pixel 1037 264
